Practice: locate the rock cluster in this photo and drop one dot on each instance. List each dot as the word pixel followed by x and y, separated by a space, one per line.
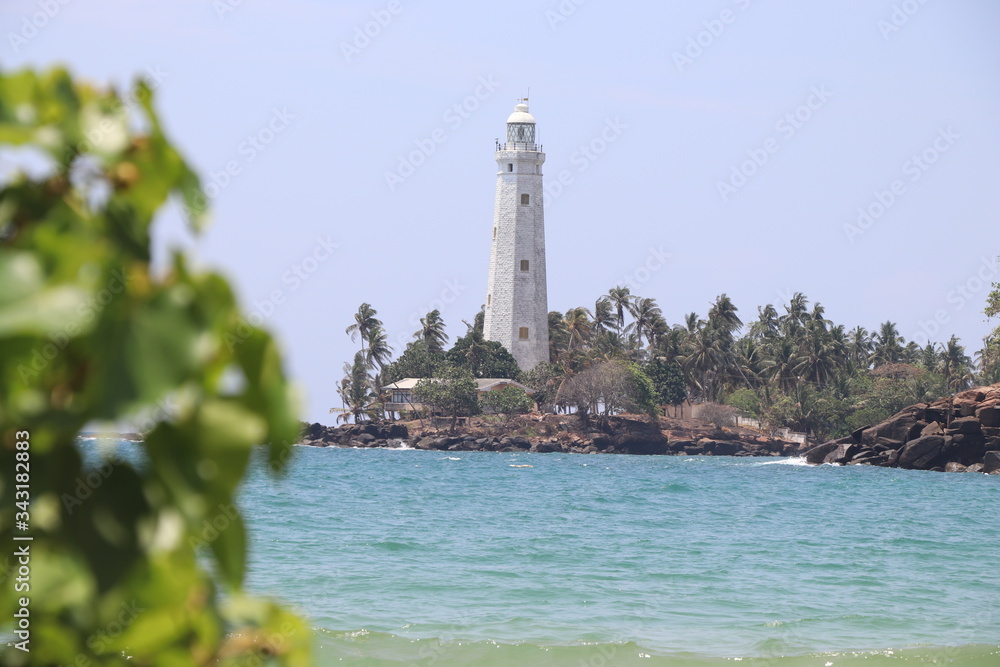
pixel 957 434
pixel 552 433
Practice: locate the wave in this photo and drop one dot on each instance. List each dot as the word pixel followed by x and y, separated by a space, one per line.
pixel 794 461
pixel 377 648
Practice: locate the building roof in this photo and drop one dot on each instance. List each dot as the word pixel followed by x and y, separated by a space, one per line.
pixel 482 384
pixel 521 115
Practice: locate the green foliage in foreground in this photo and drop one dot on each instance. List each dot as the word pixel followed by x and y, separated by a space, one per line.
pixel 88 333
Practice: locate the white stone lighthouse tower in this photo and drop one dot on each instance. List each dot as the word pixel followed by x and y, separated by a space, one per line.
pixel 517 313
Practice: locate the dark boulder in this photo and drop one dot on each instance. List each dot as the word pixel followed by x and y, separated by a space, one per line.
pixel 966 449
pixel 679 446
pixel 819 452
pixel 965 426
pixel 922 453
pixel 843 453
pixel 396 431
pixel 902 426
pixel 991 462
pixel 641 446
pixel 989 416
pixel 546 447
pixel 869 458
pixel 934 428
pixel 602 442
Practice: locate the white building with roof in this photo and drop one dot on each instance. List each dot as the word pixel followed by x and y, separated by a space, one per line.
pixel 401 393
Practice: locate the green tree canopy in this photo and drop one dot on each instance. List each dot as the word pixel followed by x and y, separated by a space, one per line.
pixel 453 393
pixel 483 358
pixel 88 332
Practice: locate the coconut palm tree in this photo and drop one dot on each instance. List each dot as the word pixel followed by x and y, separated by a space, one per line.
pixel 432 332
pixel 888 347
pixel 364 322
pixel 621 300
pixel 859 348
pixel 604 316
pixel 379 350
pixel 955 365
pixel 646 315
pixel 766 326
pixel 722 316
pixel 355 390
pixel 578 327
pixel 782 363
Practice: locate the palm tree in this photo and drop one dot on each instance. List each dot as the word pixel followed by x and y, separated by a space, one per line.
pixel 955 365
pixel 578 327
pixel 782 363
pixel 888 348
pixel 355 390
pixel 431 331
pixel 379 350
pixel 859 346
pixel 766 326
pixel 558 336
pixel 795 313
pixel 621 300
pixel 647 314
pixel 364 322
pixel 722 316
pixel 604 317
pixel 702 360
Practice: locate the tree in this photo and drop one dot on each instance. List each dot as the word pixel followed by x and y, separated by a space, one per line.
pixel 379 350
pixel 888 348
pixel 621 300
pixel 746 401
pixel 955 366
pixel 668 382
pixel 483 358
pixel 508 402
pixel 356 390
pixel 609 388
pixel 647 315
pixel 454 394
pixel 365 321
pixel 719 416
pixel 545 379
pixel 417 361
pixel 432 332
pixel 139 538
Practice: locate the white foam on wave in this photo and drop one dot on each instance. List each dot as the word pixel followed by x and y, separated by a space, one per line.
pixel 453 458
pixel 794 461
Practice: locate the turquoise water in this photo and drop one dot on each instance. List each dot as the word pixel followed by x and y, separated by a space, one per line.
pixel 441 558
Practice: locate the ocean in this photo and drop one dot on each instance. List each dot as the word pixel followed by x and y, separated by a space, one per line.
pixel 479 558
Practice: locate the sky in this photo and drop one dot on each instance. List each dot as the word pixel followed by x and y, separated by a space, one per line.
pixel 846 150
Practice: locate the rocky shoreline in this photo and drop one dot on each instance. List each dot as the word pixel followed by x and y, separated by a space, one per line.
pixel 557 434
pixel 955 434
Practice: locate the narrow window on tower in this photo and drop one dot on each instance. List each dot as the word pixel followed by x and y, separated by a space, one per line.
pixel 524 265
pixel 525 199
pixel 538 169
pixel 489 298
pixel 522 333
pixel 510 167
pixel 494 232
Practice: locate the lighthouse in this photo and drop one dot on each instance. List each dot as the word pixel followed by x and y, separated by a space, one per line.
pixel 516 297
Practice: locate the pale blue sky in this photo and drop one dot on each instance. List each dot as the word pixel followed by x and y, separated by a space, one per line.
pixel 338 119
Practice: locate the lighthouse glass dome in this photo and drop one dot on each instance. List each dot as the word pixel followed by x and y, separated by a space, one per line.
pixel 521 129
